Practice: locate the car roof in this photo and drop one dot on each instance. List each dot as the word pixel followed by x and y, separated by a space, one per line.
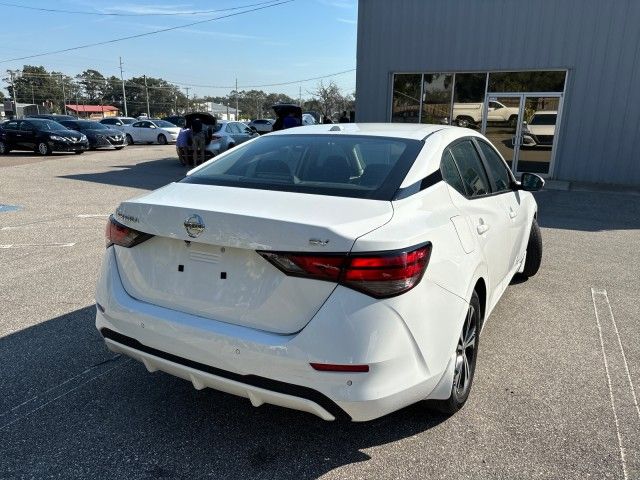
pixel 413 131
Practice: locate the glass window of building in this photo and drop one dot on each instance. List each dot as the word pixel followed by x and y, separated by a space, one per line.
pixel 406 97
pixel 533 81
pixel 436 98
pixel 468 99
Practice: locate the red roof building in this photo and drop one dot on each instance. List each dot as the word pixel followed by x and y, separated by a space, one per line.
pixel 93 110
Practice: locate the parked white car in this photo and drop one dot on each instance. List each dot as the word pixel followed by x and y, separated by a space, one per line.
pixel 342 270
pixel 540 130
pixel 470 114
pixel 307 119
pixel 151 131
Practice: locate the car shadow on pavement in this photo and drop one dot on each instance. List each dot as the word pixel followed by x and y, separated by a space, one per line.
pixel 71 409
pixel 588 211
pixel 146 175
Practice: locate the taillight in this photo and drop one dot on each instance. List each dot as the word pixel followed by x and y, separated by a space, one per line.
pixel 119 234
pixel 379 275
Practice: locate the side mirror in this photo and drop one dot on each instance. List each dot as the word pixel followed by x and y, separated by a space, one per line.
pixel 530 182
pixel 152 126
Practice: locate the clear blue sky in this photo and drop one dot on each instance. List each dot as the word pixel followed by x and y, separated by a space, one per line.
pixel 302 39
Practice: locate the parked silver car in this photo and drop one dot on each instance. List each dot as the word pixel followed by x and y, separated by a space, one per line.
pixel 227 135
pixel 118 122
pixel 264 125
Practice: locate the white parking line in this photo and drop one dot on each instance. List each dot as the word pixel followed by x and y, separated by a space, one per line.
pixel 19 417
pixel 622 395
pixel 26 245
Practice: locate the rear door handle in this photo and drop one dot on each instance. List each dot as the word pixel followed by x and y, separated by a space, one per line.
pixel 482 228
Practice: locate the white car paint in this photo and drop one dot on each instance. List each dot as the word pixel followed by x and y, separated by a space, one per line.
pixel 465 114
pixel 151 131
pixel 259 322
pixel 541 128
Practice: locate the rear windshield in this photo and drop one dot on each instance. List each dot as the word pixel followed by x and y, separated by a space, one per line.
pixel 543 119
pixel 340 165
pixel 128 121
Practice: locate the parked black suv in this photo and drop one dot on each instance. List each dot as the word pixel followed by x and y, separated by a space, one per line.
pixel 99 135
pixel 42 136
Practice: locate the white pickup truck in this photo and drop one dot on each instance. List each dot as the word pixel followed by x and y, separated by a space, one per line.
pixel 469 114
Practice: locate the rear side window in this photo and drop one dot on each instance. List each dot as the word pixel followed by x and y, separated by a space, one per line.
pixel 473 174
pixel 450 173
pixel 497 168
pixel 13 125
pixel 340 165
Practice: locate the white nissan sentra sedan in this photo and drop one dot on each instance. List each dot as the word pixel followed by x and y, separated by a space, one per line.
pixel 342 270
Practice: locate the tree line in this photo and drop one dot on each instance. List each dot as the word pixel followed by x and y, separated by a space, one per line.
pixel 34 84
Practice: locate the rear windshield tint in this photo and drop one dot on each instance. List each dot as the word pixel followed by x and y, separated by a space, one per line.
pixel 339 165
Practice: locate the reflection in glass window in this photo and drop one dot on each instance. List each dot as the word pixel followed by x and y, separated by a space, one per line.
pixel 497 167
pixel 551 81
pixel 470 167
pixel 436 93
pixel 468 99
pixel 450 173
pixel 406 98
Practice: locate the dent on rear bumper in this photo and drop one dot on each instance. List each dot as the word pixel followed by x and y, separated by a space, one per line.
pixel 349 328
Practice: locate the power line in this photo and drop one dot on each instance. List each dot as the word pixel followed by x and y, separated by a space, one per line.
pixel 146 34
pixel 228 87
pixel 115 14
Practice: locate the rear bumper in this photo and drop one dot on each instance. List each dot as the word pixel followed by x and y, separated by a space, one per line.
pixel 258 390
pixel 350 328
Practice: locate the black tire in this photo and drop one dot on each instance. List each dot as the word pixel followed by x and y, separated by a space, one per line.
pixel 162 140
pixel 43 149
pixel 4 148
pixel 464 122
pixel 513 121
pixel 119 148
pixel 464 371
pixel 79 152
pixel 129 139
pixel 534 252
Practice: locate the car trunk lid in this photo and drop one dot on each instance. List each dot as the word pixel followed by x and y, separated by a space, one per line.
pixel 216 272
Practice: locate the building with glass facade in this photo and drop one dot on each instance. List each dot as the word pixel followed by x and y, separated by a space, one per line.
pixel 555 85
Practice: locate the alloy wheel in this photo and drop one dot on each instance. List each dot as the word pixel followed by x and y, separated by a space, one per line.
pixel 43 148
pixel 465 353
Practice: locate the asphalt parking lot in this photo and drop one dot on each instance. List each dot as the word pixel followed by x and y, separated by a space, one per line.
pixel 555 393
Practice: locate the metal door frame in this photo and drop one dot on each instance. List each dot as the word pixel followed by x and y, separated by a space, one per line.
pixel 518 134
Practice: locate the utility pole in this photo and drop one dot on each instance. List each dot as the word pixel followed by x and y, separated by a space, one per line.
pixel 13 91
pixel 33 97
pixel 64 95
pixel 187 89
pixel 147 91
pixel 124 93
pixel 237 115
pixel 300 97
